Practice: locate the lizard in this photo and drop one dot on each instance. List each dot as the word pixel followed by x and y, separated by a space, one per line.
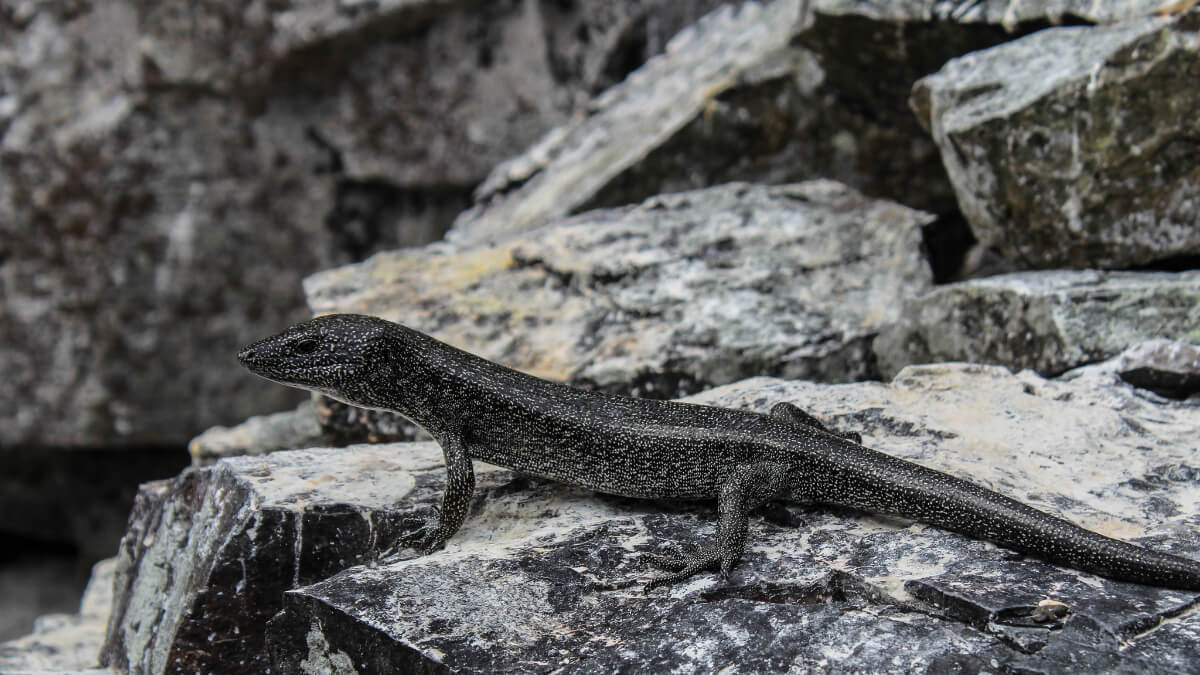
pixel 658 449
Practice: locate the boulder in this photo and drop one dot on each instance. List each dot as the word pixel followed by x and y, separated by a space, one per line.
pixel 169 171
pixel 286 430
pixel 682 292
pixel 1166 367
pixel 570 165
pixel 529 583
pixel 1076 146
pixel 1049 321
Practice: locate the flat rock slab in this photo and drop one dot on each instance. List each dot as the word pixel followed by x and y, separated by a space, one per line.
pixel 1048 321
pixel 682 292
pixel 523 586
pixel 1076 147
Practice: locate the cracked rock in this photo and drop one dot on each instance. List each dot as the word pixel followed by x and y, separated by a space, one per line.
pixel 170 170
pixel 682 292
pixel 1076 146
pixel 1048 321
pixel 212 555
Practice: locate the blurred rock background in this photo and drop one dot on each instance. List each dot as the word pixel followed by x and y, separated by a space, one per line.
pixel 901 183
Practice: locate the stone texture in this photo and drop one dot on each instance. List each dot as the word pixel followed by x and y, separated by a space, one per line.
pixel 320 421
pixel 1165 367
pixel 170 170
pixel 1007 13
pixel 287 430
pixel 208 554
pixel 735 99
pixel 1076 147
pixel 1049 321
pixel 66 642
pixel 524 584
pixel 568 166
pixel 682 292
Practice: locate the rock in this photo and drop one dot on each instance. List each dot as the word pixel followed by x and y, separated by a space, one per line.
pixel 522 585
pixel 1010 15
pixel 767 94
pixel 1166 367
pixel 571 164
pixel 287 430
pixel 321 421
pixel 208 554
pixel 1047 321
pixel 170 170
pixel 344 424
pixel 1075 147
pixel 683 292
pixel 66 642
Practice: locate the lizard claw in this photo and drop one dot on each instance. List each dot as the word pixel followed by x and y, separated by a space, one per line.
pixel 425 539
pixel 683 566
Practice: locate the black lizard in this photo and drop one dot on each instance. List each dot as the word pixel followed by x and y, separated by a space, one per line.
pixel 477 409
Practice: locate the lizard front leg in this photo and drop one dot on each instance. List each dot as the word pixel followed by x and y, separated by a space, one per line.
pixel 456 500
pixel 747 488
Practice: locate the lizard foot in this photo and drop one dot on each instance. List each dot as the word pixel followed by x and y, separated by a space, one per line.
pixel 681 566
pixel 426 539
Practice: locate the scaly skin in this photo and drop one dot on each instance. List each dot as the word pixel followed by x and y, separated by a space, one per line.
pixel 659 450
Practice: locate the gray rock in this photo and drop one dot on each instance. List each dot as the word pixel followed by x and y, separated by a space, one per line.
pixel 170 170
pixel 66 642
pixel 287 430
pixel 208 555
pixel 1075 147
pixel 1002 12
pixel 522 586
pixel 571 164
pixel 682 292
pixel 1047 321
pixel 766 94
pixel 1165 367
pixel 321 421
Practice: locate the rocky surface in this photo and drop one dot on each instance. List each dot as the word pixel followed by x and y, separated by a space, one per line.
pixel 1076 147
pixel 569 166
pixel 66 642
pixel 1007 13
pixel 682 292
pixel 287 430
pixel 211 556
pixel 321 421
pixel 208 555
pixel 169 171
pixel 1166 367
pixel 1049 321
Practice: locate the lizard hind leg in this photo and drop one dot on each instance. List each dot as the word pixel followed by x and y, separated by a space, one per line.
pixel 745 489
pixel 786 412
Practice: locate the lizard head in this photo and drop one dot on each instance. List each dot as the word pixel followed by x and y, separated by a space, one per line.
pixel 344 356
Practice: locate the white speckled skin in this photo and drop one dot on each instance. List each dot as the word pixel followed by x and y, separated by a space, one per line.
pixel 659 449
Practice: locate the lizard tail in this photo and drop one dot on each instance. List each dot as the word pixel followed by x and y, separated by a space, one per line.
pixel 913 491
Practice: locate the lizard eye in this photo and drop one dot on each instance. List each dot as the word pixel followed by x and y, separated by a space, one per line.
pixel 305 346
